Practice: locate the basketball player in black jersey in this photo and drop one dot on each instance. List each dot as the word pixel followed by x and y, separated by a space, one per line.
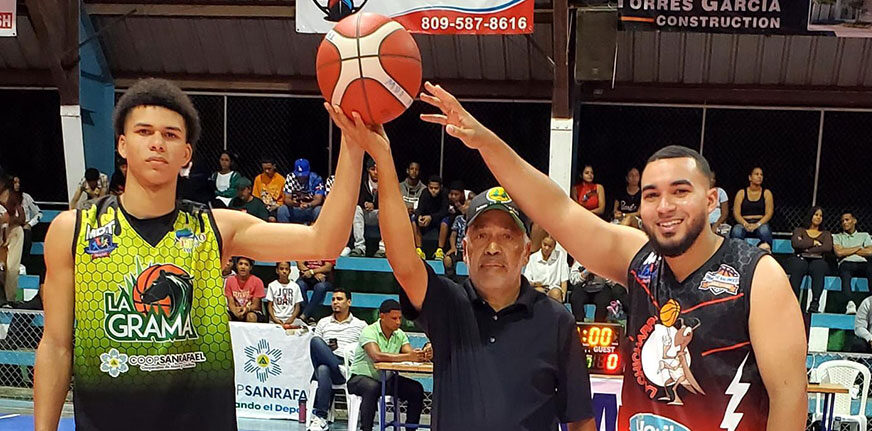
pixel 716 337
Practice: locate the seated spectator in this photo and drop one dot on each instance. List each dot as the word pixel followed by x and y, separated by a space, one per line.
pixel 303 195
pixel 810 244
pixel 245 293
pixel 336 336
pixel 246 202
pixel 752 209
pixel 225 179
pixel 412 187
pixel 457 196
pixel 315 275
pixel 284 296
pixel 589 194
pixel 718 216
pixel 588 288
pixel 12 219
pixel 626 209
pixel 432 208
pixel 384 341
pixel 119 177
pixel 268 187
pixel 862 327
pixel 853 250
pixel 458 231
pixel 366 211
pixel 94 185
pixel 547 270
pixel 32 214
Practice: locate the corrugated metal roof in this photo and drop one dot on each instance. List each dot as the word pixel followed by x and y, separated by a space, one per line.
pixel 743 60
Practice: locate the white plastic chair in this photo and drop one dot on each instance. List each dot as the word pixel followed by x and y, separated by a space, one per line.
pixel 844 373
pixel 352 401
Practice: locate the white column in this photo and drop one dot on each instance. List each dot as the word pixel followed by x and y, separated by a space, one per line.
pixel 560 157
pixel 74 147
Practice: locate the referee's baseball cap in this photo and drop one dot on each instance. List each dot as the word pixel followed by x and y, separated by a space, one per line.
pixel 494 199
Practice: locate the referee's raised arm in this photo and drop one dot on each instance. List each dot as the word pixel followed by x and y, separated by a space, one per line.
pixel 393 218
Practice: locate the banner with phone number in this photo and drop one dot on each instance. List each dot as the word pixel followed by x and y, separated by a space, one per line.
pixel 424 16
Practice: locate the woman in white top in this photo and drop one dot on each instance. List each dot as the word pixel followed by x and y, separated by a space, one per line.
pixel 225 179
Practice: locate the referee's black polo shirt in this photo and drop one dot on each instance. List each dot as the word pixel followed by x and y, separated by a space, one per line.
pixel 521 368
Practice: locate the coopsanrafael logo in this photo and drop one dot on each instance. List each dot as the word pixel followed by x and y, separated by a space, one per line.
pixel 262 360
pixel 154 305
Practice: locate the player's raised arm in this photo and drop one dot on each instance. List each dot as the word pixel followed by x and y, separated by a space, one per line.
pixel 538 196
pixel 245 235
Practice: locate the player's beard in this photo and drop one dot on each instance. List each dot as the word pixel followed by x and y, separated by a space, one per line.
pixel 674 249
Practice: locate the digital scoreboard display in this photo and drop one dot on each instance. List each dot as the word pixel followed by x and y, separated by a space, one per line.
pixel 601 343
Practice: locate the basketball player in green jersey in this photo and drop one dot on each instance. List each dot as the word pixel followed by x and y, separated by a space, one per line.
pixel 141 275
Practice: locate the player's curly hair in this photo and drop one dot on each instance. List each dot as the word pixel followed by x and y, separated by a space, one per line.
pixel 158 92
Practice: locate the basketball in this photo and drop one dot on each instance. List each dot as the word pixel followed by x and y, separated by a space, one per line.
pixel 144 281
pixel 669 312
pixel 369 64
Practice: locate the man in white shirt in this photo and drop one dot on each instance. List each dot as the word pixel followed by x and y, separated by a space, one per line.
pixel 547 270
pixel 335 336
pixel 718 216
pixel 284 295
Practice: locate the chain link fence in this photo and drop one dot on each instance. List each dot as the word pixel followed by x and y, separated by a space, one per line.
pixel 783 142
pixel 20 332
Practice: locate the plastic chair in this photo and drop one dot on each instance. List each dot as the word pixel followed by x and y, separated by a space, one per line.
pixel 844 373
pixel 352 401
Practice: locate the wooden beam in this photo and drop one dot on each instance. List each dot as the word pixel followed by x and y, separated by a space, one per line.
pixel 56 26
pixel 307 85
pixel 188 10
pixel 27 78
pixel 560 106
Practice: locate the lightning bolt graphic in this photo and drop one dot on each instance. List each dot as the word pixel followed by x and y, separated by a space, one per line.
pixel 737 391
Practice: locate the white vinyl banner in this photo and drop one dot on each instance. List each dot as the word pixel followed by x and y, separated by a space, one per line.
pixel 424 16
pixel 7 18
pixel 273 370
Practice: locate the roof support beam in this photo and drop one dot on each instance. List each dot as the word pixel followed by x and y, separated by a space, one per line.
pixel 191 10
pixel 56 25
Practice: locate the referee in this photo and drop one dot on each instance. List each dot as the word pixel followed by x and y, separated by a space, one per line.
pixel 505 356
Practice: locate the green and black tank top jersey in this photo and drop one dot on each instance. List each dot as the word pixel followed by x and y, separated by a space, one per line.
pixel 152 345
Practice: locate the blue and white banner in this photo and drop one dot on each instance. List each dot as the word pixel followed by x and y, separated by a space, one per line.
pixel 273 369
pixel 7 18
pixel 424 16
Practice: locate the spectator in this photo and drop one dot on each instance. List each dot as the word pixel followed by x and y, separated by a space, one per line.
pixel 246 202
pixel 588 288
pixel 366 211
pixel 547 270
pixel 810 244
pixel 268 187
pixel 92 186
pixel 718 216
pixel 12 219
pixel 304 195
pixel 752 209
pixel 225 179
pixel 384 341
pixel 432 208
pixel 627 203
pixel 119 177
pixel 336 336
pixel 457 196
pixel 315 275
pixel 244 293
pixel 589 194
pixel 283 295
pixel 862 326
pixel 853 250
pixel 32 214
pixel 412 187
pixel 458 232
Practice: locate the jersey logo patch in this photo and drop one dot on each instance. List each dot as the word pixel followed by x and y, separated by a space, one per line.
pixel 188 241
pixel 724 280
pixel 99 239
pixel 652 422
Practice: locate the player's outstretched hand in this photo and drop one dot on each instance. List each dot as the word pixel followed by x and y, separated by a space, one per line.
pixel 457 121
pixel 370 138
